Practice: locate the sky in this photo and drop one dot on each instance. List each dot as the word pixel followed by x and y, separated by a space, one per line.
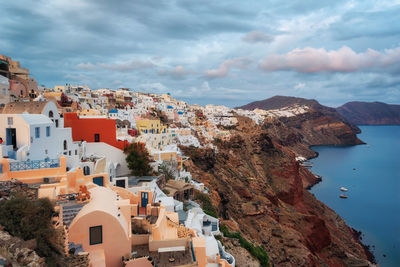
pixel 211 52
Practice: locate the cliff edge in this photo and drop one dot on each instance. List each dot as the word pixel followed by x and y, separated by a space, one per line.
pixel 259 189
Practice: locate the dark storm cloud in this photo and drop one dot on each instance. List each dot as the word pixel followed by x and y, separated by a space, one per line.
pixel 375 24
pixel 203 49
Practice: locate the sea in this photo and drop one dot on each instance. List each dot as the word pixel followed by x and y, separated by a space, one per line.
pixel 371 173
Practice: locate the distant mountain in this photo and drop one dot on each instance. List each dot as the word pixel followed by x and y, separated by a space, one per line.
pixel 370 113
pixel 277 102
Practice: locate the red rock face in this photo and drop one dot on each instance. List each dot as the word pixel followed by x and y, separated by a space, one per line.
pixel 317 234
pixel 259 189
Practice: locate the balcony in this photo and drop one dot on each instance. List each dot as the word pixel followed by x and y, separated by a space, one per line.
pixel 34 164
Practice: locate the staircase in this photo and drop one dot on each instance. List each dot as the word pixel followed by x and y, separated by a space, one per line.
pixel 69 212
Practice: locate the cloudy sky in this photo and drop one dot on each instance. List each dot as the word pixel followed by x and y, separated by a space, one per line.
pixel 208 51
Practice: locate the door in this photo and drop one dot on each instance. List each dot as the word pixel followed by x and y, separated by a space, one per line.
pixel 97 137
pixel 144 199
pixel 98 180
pixel 11 137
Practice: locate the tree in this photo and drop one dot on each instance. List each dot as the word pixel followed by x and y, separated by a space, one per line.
pixel 31 219
pixel 138 160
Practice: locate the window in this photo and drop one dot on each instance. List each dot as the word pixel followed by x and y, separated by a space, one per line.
pixel 10 120
pixel 51 114
pixel 96 235
pixel 37 132
pixel 97 137
pixel 57 123
pixel 120 183
pixel 47 131
pixel 86 170
pixel 65 145
pixel 76 152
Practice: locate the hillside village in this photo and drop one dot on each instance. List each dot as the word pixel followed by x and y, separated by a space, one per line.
pixel 71 143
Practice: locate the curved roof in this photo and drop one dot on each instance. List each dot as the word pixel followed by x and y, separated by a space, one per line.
pixel 104 200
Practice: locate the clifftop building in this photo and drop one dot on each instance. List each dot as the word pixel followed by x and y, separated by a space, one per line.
pixel 21 84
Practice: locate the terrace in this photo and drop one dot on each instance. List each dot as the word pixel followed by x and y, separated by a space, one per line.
pixel 34 164
pixel 173 256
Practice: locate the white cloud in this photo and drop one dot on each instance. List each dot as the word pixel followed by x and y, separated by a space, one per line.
pixel 120 66
pixel 299 85
pixel 179 72
pixel 86 66
pixel 127 66
pixel 158 88
pixel 79 77
pixel 312 60
pixel 225 66
pixel 257 37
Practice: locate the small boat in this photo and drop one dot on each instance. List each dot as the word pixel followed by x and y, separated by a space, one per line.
pixel 343 196
pixel 343 189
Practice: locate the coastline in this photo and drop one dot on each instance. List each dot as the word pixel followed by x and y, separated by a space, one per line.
pixel 357 235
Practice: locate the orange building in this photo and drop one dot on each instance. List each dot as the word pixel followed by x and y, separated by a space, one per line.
pixel 94 130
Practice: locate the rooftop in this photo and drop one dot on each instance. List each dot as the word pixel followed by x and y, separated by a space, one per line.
pixel 35 118
pixel 177 258
pixel 35 107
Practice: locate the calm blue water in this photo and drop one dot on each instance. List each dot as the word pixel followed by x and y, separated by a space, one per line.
pixel 373 206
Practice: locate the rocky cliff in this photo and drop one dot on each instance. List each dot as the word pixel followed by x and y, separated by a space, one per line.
pixel 18 252
pixel 370 113
pixel 311 129
pixel 259 189
pixel 320 125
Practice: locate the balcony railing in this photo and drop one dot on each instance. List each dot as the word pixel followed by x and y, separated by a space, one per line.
pixel 34 164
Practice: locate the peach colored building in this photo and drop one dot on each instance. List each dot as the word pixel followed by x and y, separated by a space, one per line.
pixel 103 226
pixel 120 228
pixel 21 84
pixel 35 172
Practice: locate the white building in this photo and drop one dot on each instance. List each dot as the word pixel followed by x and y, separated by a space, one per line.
pixel 36 137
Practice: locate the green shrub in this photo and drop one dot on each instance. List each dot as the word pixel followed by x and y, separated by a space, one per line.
pixel 206 204
pixel 28 220
pixel 257 251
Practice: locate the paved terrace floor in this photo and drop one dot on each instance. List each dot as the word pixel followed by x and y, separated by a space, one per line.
pixel 182 258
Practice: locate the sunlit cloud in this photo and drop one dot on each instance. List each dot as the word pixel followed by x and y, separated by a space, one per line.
pixel 345 59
